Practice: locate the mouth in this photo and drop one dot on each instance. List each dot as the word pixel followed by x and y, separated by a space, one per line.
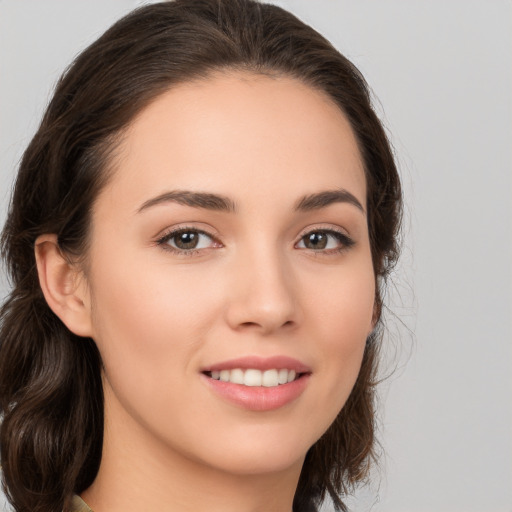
pixel 258 384
pixel 253 377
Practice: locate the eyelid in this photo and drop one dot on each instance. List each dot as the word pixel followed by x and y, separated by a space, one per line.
pixel 200 227
pixel 323 227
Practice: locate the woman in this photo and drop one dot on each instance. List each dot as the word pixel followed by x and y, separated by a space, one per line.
pixel 198 238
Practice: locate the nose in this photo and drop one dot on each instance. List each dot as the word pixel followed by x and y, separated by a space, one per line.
pixel 262 295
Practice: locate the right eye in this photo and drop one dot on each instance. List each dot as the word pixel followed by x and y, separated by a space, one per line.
pixel 187 241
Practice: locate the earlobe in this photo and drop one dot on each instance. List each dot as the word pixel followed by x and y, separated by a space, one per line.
pixel 62 285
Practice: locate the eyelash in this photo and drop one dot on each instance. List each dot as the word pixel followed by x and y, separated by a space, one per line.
pixel 345 241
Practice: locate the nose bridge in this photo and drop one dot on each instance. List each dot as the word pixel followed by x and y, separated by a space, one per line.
pixel 263 291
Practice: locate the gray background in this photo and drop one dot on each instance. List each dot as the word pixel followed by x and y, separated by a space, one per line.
pixel 442 75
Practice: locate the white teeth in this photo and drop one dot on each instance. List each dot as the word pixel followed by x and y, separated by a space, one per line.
pixel 270 379
pixel 237 376
pixel 252 377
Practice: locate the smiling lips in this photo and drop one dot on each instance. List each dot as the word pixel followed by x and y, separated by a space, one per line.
pixel 253 377
pixel 258 384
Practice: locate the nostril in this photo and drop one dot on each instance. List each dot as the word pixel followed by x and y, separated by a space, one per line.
pixel 266 326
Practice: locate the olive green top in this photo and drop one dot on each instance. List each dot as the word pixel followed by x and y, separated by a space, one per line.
pixel 79 505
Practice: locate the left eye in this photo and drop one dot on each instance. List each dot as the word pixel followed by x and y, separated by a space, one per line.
pixel 321 240
pixel 187 239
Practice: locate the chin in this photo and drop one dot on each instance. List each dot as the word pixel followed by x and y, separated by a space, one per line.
pixel 259 452
pixel 271 462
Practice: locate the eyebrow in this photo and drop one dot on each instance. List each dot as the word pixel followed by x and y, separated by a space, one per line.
pixel 326 198
pixel 195 199
pixel 222 203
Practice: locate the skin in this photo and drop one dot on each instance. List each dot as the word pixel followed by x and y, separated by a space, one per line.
pixel 253 288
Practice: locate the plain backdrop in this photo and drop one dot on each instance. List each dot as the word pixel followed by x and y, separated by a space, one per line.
pixel 442 78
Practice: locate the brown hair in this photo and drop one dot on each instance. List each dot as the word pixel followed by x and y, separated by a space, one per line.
pixel 51 396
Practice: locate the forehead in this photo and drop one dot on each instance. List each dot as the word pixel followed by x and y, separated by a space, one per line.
pixel 239 134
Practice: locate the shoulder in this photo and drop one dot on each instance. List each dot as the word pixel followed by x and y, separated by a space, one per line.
pixel 79 505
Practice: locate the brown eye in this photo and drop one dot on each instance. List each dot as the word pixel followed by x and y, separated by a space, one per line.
pixel 187 240
pixel 325 240
pixel 317 240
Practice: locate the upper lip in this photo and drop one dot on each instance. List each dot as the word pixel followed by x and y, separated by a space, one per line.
pixel 260 363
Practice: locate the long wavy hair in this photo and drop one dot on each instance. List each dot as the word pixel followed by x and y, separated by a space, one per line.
pixel 51 398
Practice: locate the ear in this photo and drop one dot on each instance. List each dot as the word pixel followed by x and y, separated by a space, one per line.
pixel 63 286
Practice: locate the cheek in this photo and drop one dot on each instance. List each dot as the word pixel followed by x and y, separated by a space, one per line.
pixel 149 324
pixel 135 295
pixel 149 330
pixel 344 321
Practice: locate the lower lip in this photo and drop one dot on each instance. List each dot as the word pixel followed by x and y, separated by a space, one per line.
pixel 259 398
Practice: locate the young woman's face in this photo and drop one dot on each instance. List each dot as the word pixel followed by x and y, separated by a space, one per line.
pixel 231 243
